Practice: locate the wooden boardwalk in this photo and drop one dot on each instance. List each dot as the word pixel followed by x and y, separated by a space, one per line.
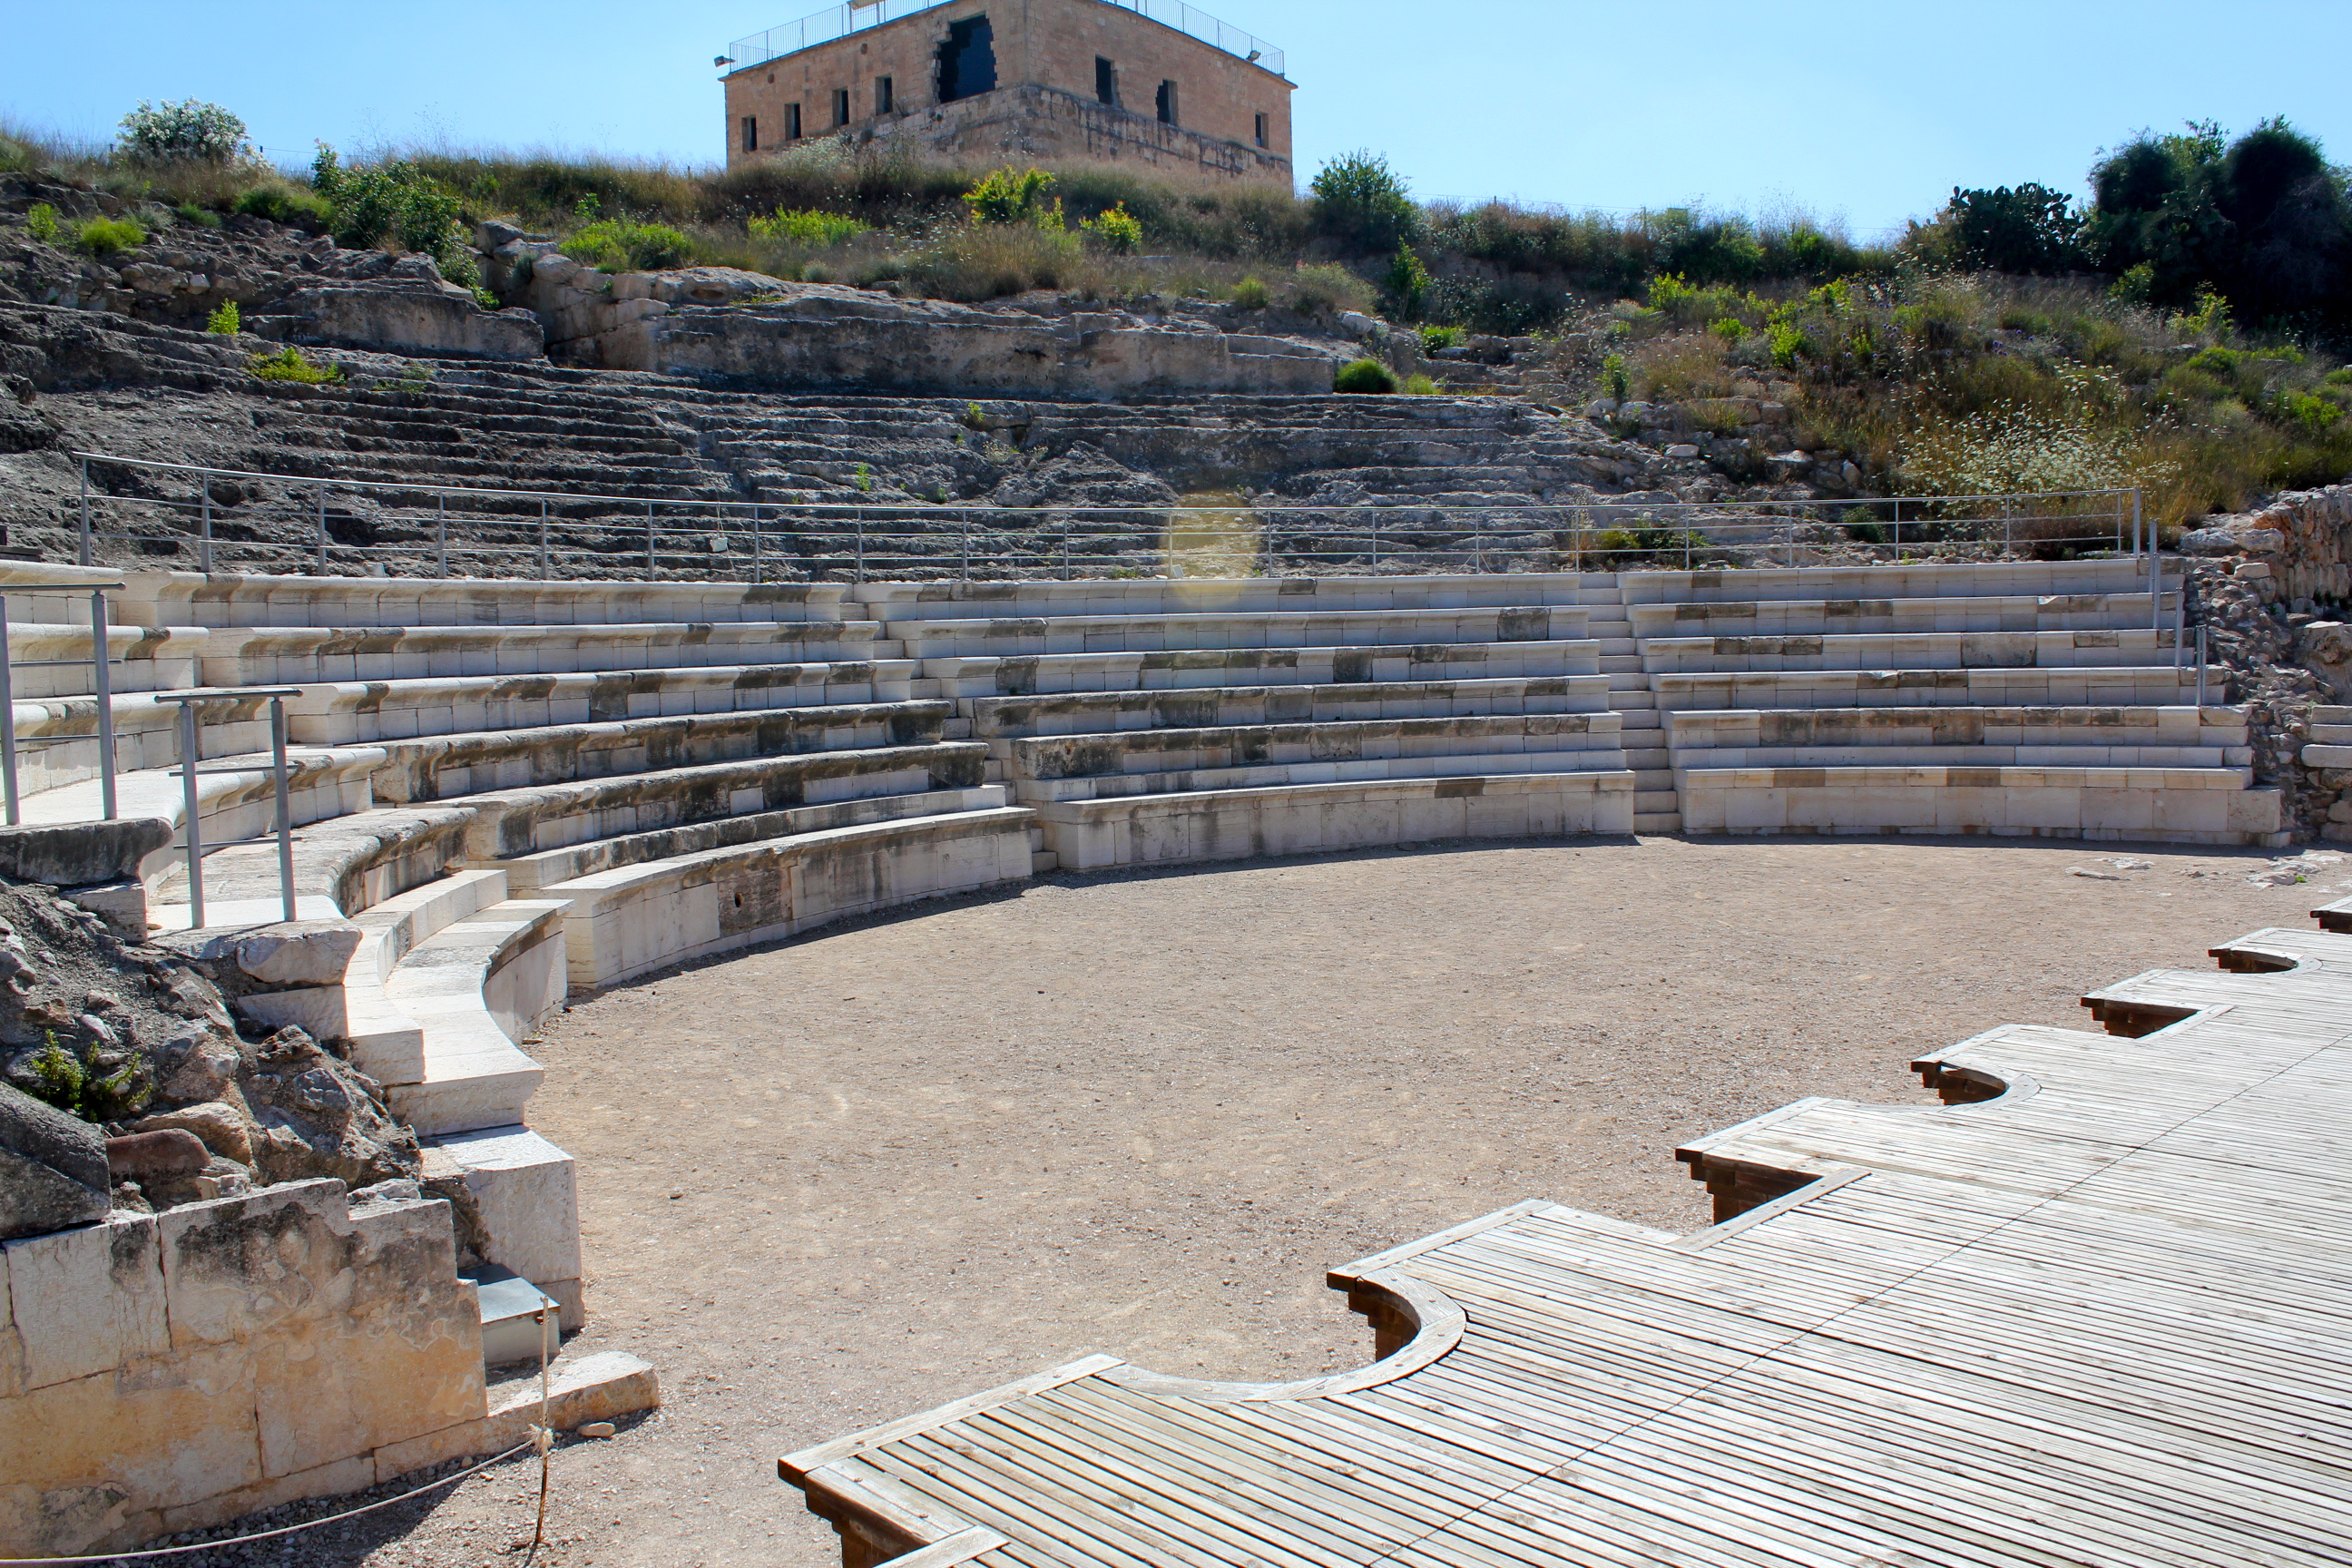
pixel 2095 1309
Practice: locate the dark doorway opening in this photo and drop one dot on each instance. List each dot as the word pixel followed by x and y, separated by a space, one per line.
pixel 1167 103
pixel 1106 82
pixel 968 61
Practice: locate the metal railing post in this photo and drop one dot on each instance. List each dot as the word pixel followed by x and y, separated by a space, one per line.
pixel 441 536
pixel 285 814
pixel 188 793
pixel 102 683
pixel 755 547
pixel 1897 534
pixel 322 530
pixel 83 556
pixel 859 523
pixel 205 525
pixel 964 573
pixel 2005 530
pixel 8 708
pixel 542 539
pixel 649 542
pixel 2201 666
pixel 1376 544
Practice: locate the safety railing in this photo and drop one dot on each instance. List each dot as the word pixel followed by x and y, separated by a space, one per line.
pixel 192 768
pixel 222 520
pixel 100 664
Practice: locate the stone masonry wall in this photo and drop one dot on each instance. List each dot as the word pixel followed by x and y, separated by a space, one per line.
pixel 1044 104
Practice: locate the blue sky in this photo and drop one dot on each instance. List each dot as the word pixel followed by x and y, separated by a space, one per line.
pixel 1869 112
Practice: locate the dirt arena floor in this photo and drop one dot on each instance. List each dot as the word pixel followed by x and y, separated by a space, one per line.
pixel 835 1182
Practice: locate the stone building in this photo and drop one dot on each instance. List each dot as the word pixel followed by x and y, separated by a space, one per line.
pixel 1153 83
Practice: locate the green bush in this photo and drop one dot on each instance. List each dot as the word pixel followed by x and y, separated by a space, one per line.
pixel 1614 378
pixel 188 212
pixel 284 204
pixel 79 1086
pixel 1328 286
pixel 805 228
pixel 1406 284
pixel 1503 307
pixel 103 236
pixel 2028 229
pixel 226 321
pixel 1116 230
pixel 288 365
pixel 1433 339
pixel 1364 375
pixel 1418 385
pixel 1250 294
pixel 618 245
pixel 41 223
pixel 1361 202
pixel 190 130
pixel 1013 196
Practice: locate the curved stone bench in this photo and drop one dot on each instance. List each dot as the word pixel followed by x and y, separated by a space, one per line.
pixel 1098 712
pixel 1160 597
pixel 1183 669
pixel 2086 686
pixel 2175 805
pixel 346 712
pixel 1830 737
pixel 1918 580
pixel 51 659
pixel 441 767
pixel 509 822
pixel 1305 819
pixel 193 599
pixel 632 920
pixel 474 988
pixel 1907 650
pixel 1067 767
pixel 293 655
pixel 1947 613
pixel 928 639
pixel 341 864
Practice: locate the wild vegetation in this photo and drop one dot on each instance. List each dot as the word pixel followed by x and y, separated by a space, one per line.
pixel 2178 331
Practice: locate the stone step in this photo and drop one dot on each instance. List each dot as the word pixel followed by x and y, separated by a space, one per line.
pixel 2332 734
pixel 1620 663
pixel 2238 760
pixel 444 767
pixel 903 602
pixel 475 988
pixel 1658 822
pixel 1652 802
pixel 2183 806
pixel 1085 756
pixel 505 824
pixel 1638 717
pixel 932 639
pixel 1045 674
pixel 1100 712
pixel 1947 613
pixel 1906 651
pixel 1993 686
pixel 2011 726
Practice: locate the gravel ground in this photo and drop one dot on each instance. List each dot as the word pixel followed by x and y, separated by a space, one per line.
pixel 845 1179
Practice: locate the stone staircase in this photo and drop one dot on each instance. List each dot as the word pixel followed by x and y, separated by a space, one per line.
pixel 2330 746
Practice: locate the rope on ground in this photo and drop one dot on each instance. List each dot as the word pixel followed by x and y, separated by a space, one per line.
pixel 408 1496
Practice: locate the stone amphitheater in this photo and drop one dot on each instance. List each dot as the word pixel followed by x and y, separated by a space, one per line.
pixel 517 790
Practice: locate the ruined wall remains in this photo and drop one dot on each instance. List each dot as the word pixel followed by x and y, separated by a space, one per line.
pixel 1046 99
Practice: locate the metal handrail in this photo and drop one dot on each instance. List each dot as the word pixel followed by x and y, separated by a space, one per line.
pixel 101 686
pixel 190 771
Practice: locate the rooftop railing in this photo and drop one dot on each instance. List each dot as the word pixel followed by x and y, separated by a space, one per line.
pixel 841 21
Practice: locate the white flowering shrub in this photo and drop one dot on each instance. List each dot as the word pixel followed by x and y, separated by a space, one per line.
pixel 188 130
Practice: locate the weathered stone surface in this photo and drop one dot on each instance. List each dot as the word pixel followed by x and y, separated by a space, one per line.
pixel 53 1171
pixel 78 856
pixel 221 1126
pixel 165 1152
pixel 408 316
pixel 316 1116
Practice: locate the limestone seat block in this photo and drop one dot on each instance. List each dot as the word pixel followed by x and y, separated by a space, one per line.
pixel 226 599
pixel 53 659
pixel 1907 651
pixel 969 676
pixel 2155 804
pixel 1313 817
pixel 1098 713
pixel 360 711
pixel 1131 751
pixel 927 638
pixel 240 656
pixel 440 767
pixel 2090 685
pixel 526 1192
pixel 892 602
pixel 475 988
pixel 386 1043
pixel 509 822
pixel 632 919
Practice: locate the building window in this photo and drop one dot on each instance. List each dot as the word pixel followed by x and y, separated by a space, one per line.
pixel 1167 103
pixel 841 106
pixel 751 134
pixel 885 98
pixel 1261 132
pixel 1106 82
pixel 967 60
pixel 792 122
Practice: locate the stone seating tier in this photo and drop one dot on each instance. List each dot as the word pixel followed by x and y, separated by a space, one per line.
pixel 2081 737
pixel 2155 805
pixel 1025 675
pixel 279 655
pixel 1948 613
pixel 1918 580
pixel 930 638
pixel 475 987
pixel 2330 746
pixel 996 719
pixel 164 599
pixel 895 601
pixel 2128 685
pixel 1907 650
pixel 1077 766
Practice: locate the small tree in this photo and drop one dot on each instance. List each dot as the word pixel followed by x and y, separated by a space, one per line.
pixel 1361 202
pixel 189 130
pixel 1407 284
pixel 2027 228
pixel 1013 196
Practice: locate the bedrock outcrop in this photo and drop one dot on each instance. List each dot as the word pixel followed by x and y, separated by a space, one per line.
pixel 715 320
